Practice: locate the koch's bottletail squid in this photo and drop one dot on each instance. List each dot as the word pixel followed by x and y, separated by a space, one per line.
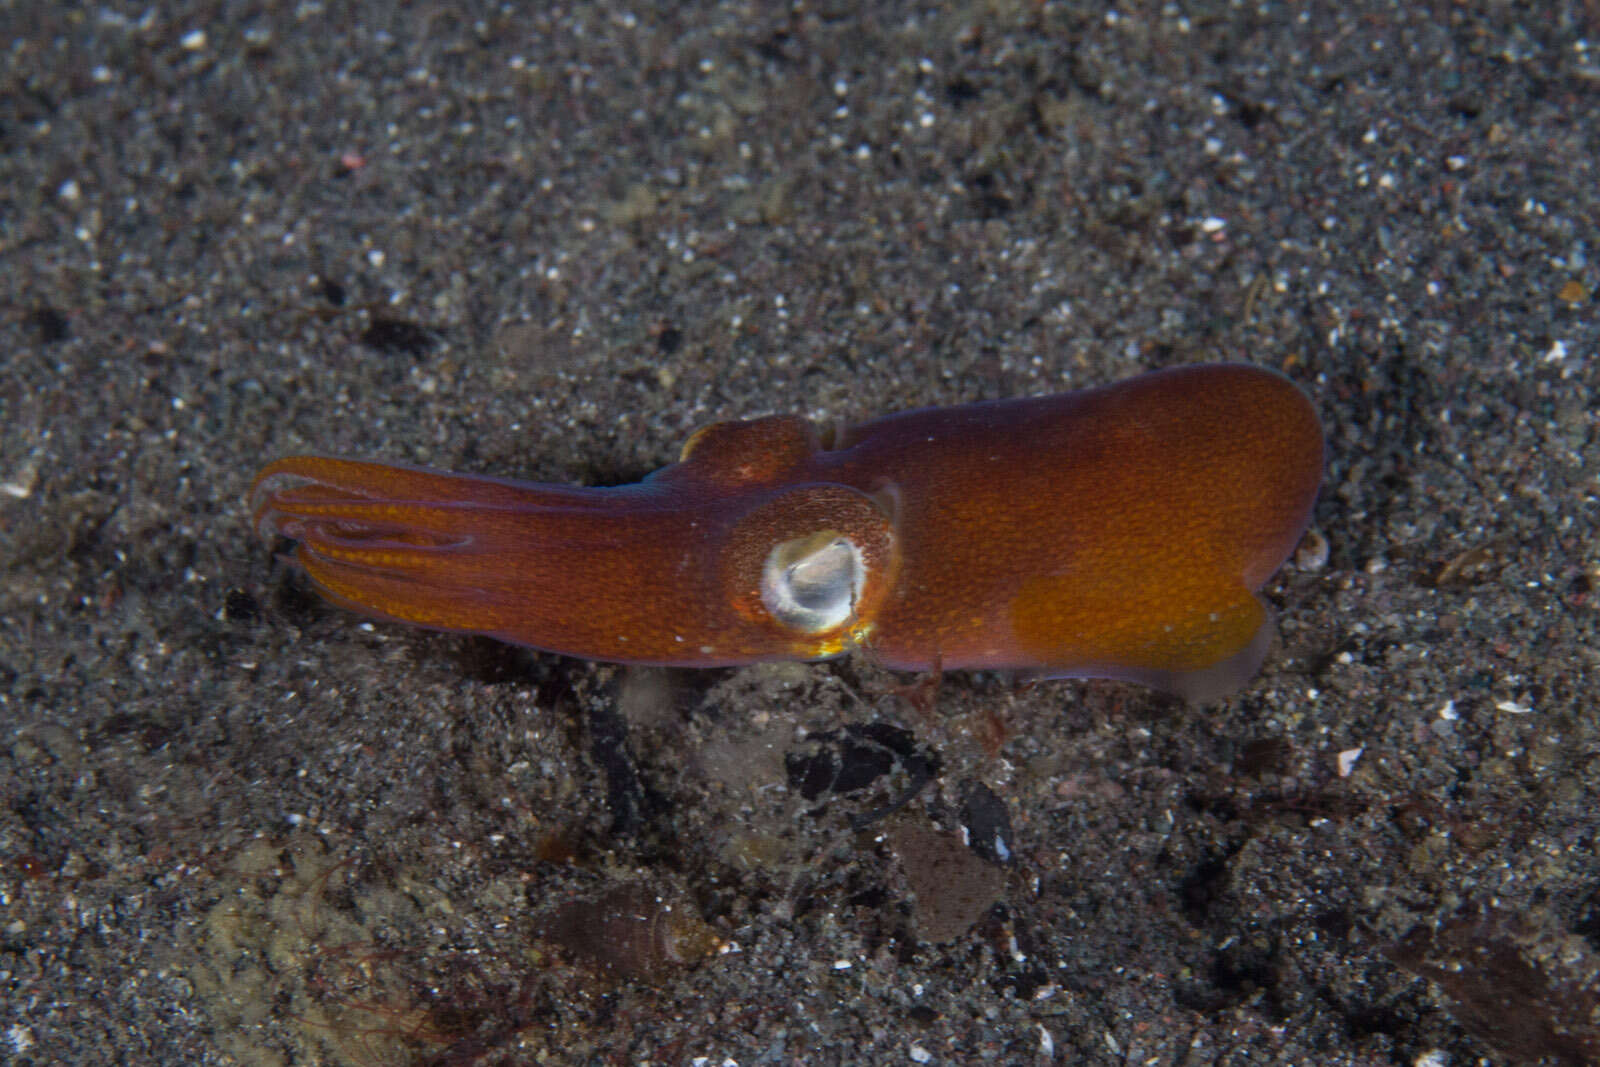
pixel 1118 532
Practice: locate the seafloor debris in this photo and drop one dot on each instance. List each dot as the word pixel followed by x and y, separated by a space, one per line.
pixel 987 822
pixel 854 757
pixel 632 930
pixel 1528 992
pixel 953 886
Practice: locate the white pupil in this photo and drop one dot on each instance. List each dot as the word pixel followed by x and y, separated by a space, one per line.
pixel 811 584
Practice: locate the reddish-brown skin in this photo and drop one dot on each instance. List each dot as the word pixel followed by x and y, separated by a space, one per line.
pixel 1115 532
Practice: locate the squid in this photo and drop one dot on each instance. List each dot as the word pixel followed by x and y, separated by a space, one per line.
pixel 1119 532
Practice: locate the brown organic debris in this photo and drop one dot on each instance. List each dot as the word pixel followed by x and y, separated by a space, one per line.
pixel 630 931
pixel 954 888
pixel 1528 992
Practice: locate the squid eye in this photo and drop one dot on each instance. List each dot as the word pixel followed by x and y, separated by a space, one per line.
pixel 814 562
pixel 813 583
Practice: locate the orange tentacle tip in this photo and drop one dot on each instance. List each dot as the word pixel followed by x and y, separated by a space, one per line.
pixel 1118 532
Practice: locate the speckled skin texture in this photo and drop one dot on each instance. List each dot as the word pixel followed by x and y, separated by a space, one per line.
pixel 1118 532
pixel 237 826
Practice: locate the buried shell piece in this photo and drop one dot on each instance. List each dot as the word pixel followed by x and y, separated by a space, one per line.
pixel 630 931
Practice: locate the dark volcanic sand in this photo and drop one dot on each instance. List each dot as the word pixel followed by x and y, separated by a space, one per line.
pixel 238 826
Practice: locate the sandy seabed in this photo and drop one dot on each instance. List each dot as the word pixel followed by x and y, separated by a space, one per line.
pixel 240 826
